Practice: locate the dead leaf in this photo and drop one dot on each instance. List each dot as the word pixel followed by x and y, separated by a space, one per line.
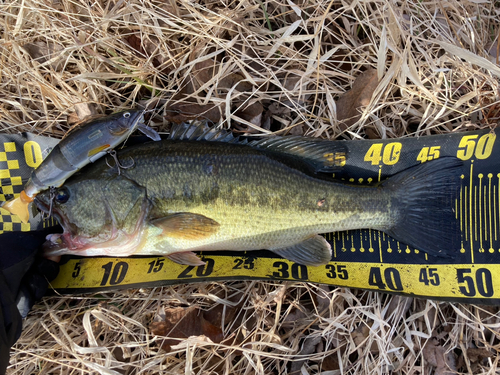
pixel 297 129
pixel 135 43
pixel 322 299
pixel 308 347
pixel 398 306
pixel 233 79
pixel 492 49
pixel 181 323
pixel 296 316
pixel 473 359
pixel 204 71
pixel 221 313
pixel 147 47
pixel 350 103
pixel 185 107
pixel 186 111
pixel 478 354
pixel 330 363
pixel 252 114
pixel 83 112
pixel 438 357
pixel 43 52
pixel 360 334
pixel 371 132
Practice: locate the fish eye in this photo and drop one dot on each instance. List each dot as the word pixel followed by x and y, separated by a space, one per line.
pixel 62 195
pixel 126 114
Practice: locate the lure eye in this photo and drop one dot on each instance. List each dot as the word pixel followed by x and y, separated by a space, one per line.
pixel 62 195
pixel 126 114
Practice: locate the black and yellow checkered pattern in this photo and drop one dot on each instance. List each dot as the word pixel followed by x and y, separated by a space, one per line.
pixel 11 184
pixel 19 154
pixel 8 167
pixel 9 223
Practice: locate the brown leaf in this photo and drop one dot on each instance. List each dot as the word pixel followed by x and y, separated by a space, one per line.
pixel 187 111
pixel 218 313
pixel 135 43
pixel 330 363
pixel 350 103
pixel 145 47
pixel 308 347
pixel 252 114
pixel 83 112
pixel 360 334
pixel 322 299
pixel 181 323
pixel 235 79
pixel 204 71
pixel 437 357
pixel 187 108
pixel 371 132
pixel 43 52
pixel 184 108
pixel 295 317
pixel 478 354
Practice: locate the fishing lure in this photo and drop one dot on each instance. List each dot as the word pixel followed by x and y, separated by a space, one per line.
pixel 84 145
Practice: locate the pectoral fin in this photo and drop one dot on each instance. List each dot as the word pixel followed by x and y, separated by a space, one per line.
pixel 314 251
pixel 188 258
pixel 187 226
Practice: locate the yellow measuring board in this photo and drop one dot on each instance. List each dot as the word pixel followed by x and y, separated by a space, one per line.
pixel 365 259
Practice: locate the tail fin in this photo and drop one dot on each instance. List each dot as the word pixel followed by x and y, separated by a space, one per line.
pixel 424 197
pixel 19 206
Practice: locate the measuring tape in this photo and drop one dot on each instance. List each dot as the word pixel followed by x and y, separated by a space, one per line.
pixel 366 259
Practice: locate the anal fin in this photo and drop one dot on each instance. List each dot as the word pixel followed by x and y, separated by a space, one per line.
pixel 188 258
pixel 313 251
pixel 186 225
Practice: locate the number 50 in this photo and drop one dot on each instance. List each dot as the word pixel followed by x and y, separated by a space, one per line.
pixel 482 150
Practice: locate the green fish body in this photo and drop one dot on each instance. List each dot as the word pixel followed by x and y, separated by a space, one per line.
pixel 183 196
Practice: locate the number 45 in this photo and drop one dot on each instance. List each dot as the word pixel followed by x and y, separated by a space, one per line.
pixel 428 153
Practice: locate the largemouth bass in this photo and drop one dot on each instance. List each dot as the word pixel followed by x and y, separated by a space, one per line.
pixel 85 144
pixel 192 195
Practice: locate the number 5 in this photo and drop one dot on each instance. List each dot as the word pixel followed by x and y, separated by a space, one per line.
pixel 468 142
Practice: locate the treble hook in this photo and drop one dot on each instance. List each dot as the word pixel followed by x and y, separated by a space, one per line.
pixel 119 166
pixel 52 196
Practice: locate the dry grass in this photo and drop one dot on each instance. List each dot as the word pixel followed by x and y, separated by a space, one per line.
pixel 255 67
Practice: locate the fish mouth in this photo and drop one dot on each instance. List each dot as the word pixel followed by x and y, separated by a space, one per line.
pixel 115 243
pixel 57 243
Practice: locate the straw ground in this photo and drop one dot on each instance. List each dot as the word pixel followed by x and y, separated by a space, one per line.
pixel 256 67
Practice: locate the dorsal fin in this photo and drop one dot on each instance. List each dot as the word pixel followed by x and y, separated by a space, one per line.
pixel 320 155
pixel 203 132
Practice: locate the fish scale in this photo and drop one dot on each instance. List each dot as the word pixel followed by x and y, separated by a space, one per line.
pixel 268 201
